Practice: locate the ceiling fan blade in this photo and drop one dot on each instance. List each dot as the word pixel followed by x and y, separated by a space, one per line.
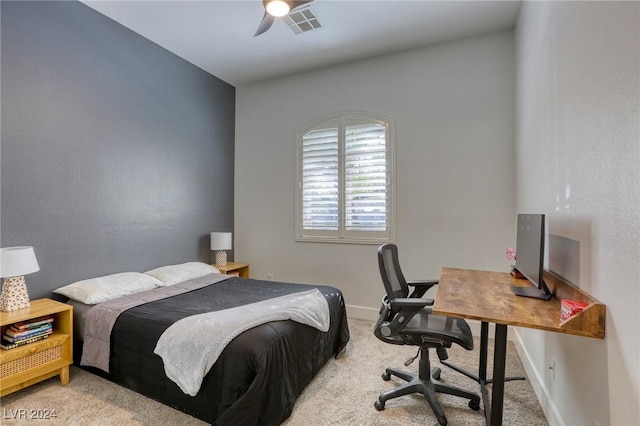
pixel 265 24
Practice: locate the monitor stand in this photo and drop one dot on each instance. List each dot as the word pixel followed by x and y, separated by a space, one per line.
pixel 532 292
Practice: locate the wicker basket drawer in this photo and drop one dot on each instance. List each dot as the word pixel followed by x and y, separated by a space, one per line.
pixel 30 361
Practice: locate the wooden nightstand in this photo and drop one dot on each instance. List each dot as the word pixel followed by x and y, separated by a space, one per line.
pixel 233 268
pixel 25 365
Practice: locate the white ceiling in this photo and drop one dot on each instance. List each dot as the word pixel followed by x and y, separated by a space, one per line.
pixel 217 35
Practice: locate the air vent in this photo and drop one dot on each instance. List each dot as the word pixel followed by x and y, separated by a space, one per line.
pixel 302 20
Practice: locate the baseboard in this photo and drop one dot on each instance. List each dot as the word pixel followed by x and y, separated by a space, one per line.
pixel 361 312
pixel 371 314
pixel 541 391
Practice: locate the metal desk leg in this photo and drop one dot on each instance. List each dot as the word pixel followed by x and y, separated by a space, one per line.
pixel 484 343
pixel 482 370
pixel 499 357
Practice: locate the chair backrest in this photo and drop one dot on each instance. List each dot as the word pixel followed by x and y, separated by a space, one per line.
pixel 392 277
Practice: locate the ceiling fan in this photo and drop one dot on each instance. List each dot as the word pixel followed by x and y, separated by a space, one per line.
pixel 276 9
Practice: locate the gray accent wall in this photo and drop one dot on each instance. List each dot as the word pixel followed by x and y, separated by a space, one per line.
pixel 116 155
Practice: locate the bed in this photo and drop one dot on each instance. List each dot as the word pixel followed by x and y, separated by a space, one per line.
pixel 257 376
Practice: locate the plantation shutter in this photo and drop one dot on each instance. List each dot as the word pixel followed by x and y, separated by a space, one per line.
pixel 320 180
pixel 365 177
pixel 345 190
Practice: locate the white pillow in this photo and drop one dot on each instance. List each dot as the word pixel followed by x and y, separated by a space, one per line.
pixel 101 289
pixel 174 274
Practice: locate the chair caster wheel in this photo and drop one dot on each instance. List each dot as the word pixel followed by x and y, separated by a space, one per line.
pixel 379 405
pixel 474 405
pixel 386 377
pixel 435 373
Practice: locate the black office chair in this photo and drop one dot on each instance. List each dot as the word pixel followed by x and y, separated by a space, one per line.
pixel 406 320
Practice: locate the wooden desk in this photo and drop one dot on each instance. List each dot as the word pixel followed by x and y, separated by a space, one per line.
pixel 487 297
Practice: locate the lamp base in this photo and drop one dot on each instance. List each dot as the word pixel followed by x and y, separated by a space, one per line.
pixel 14 294
pixel 221 258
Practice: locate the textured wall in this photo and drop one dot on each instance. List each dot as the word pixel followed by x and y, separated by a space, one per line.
pixel 453 106
pixel 116 154
pixel 578 160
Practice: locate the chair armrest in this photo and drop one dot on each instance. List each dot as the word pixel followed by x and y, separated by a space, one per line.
pixel 429 283
pixel 408 307
pixel 411 302
pixel 421 287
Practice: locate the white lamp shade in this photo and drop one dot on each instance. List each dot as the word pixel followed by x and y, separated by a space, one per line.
pixel 17 261
pixel 221 240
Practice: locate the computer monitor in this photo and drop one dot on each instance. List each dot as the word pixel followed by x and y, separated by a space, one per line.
pixel 530 256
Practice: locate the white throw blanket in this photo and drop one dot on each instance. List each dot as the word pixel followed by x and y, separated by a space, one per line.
pixel 191 346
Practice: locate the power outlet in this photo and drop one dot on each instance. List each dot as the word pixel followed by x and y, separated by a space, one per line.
pixel 270 277
pixel 551 366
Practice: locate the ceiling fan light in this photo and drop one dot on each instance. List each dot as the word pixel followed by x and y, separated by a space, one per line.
pixel 277 8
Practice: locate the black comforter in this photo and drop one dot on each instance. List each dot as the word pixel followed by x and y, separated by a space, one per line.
pixel 260 373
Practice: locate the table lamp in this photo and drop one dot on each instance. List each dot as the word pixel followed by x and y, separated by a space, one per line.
pixel 221 241
pixel 15 263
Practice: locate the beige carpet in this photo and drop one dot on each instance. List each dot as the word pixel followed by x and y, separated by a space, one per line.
pixel 343 393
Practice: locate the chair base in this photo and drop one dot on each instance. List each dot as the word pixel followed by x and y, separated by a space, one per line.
pixel 423 384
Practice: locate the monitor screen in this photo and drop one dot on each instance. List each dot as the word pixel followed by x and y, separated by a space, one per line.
pixel 530 255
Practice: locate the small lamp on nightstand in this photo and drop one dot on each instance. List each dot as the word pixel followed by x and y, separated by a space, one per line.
pixel 221 241
pixel 15 263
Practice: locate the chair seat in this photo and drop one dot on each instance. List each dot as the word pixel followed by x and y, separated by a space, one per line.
pixel 424 323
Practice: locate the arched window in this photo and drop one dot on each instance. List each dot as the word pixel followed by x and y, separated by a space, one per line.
pixel 345 180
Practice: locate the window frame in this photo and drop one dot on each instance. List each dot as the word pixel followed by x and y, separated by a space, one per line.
pixel 342 235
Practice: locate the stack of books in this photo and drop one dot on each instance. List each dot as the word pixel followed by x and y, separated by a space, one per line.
pixel 569 308
pixel 21 333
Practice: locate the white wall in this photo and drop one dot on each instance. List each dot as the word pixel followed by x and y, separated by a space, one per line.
pixel 578 160
pixel 454 109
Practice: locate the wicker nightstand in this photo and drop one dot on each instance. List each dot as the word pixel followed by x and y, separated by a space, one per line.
pixel 25 365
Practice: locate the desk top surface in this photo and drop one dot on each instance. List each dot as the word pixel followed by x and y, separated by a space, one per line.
pixel 487 296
